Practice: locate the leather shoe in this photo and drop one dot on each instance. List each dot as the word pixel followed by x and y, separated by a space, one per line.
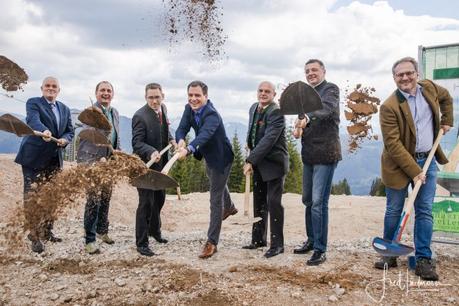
pixel 305 248
pixel 208 250
pixel 317 258
pixel 160 239
pixel 273 251
pixel 386 262
pixel 232 211
pixel 52 238
pixel 145 251
pixel 37 246
pixel 254 246
pixel 426 270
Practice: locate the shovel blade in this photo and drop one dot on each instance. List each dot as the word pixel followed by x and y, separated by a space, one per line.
pixel 246 221
pixel 94 117
pixel 299 98
pixel 386 247
pixel 94 137
pixel 154 180
pixel 11 124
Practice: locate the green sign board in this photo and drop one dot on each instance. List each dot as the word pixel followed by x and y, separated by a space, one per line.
pixel 446 216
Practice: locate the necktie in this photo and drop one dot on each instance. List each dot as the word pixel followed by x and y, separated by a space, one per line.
pixel 56 114
pixel 160 117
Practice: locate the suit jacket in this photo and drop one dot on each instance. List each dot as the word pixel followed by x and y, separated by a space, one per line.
pixel 269 154
pixel 34 152
pixel 398 165
pixel 211 141
pixel 148 135
pixel 89 152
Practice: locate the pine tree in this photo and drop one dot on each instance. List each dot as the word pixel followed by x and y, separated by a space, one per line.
pixel 377 188
pixel 294 179
pixel 342 187
pixel 236 177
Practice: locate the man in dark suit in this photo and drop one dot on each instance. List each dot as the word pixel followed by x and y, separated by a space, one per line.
pixel 268 161
pixel 39 157
pixel 211 143
pixel 98 198
pixel 150 134
pixel 320 152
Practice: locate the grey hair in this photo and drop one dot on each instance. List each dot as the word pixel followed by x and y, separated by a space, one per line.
pixel 407 59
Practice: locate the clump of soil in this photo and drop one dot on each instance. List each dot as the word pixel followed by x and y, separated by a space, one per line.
pixel 12 77
pixel 361 104
pixel 196 21
pixel 49 200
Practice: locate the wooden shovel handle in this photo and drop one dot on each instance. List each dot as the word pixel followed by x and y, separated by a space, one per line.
pixel 40 134
pixel 247 195
pixel 412 197
pixel 170 163
pixel 151 161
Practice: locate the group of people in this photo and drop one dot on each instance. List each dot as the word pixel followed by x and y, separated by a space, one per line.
pixel 409 118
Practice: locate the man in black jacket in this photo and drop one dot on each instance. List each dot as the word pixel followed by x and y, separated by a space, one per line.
pixel 268 161
pixel 321 151
pixel 150 134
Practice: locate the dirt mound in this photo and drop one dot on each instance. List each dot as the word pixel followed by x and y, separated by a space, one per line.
pixel 12 76
pixel 360 106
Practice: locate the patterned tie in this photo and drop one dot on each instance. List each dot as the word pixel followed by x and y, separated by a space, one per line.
pixel 160 117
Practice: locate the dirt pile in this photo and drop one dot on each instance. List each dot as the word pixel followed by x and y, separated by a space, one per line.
pixel 361 104
pixel 196 21
pixel 12 77
pixel 49 200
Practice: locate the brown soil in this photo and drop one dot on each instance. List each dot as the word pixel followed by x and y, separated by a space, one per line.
pixel 65 274
pixel 360 106
pixel 196 21
pixel 12 76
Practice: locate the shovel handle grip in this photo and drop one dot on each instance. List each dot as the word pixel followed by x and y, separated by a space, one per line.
pixel 170 163
pixel 412 197
pixel 40 134
pixel 151 161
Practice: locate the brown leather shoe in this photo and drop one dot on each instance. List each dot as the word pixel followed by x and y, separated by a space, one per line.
pixel 230 212
pixel 208 250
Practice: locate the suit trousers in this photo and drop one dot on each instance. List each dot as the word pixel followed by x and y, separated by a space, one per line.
pixel 148 220
pixel 32 176
pixel 220 200
pixel 267 198
pixel 96 212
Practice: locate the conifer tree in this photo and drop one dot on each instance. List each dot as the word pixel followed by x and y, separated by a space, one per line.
pixel 293 181
pixel 236 177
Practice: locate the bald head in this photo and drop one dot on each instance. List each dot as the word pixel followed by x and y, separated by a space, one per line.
pixel 50 88
pixel 266 93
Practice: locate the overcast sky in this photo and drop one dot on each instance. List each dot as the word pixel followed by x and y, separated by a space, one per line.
pixel 124 42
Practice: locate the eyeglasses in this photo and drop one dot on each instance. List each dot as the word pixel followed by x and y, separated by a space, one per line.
pixel 409 74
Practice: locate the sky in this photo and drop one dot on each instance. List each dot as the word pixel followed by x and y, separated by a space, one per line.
pixel 125 42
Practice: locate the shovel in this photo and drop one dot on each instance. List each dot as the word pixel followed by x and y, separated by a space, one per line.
pixel 298 99
pixel 11 124
pixel 393 247
pixel 248 220
pixel 94 117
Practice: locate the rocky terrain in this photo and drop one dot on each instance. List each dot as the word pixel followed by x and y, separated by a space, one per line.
pixel 65 274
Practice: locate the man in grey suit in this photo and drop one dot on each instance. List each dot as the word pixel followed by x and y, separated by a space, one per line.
pixel 150 134
pixel 98 199
pixel 268 161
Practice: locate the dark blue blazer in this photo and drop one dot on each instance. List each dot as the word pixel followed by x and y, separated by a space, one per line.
pixel 211 141
pixel 34 152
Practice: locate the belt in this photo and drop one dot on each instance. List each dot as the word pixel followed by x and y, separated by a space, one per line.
pixel 421 155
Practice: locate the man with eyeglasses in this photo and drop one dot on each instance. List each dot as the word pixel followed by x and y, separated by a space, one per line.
pixel 320 153
pixel 41 158
pixel 410 120
pixel 150 134
pixel 268 162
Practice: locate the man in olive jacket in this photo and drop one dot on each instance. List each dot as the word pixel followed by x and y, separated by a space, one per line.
pixel 410 121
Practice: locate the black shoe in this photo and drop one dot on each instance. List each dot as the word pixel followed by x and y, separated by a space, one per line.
pixel 305 248
pixel 160 239
pixel 37 246
pixel 426 270
pixel 50 237
pixel 273 251
pixel 317 258
pixel 145 251
pixel 254 246
pixel 386 262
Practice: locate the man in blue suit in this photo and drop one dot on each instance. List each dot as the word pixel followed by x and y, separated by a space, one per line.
pixel 40 158
pixel 211 143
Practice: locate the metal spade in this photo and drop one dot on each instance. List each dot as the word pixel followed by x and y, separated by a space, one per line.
pixel 11 124
pixel 94 117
